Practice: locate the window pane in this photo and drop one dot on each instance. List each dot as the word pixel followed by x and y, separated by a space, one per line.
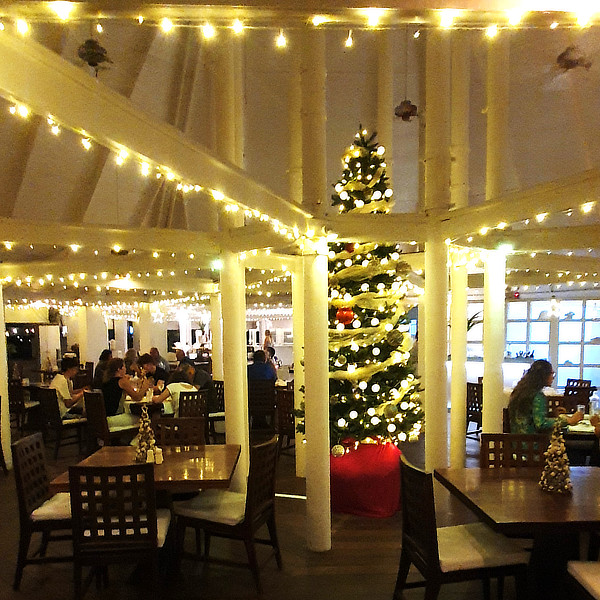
pixel 592 309
pixel 564 373
pixel 540 351
pixel 569 354
pixel 540 310
pixel 539 332
pixel 516 310
pixel 474 350
pixel 475 334
pixel 474 308
pixel 591 355
pixel 569 332
pixel 516 332
pixel 571 309
pixel 593 374
pixel 514 349
pixel 592 331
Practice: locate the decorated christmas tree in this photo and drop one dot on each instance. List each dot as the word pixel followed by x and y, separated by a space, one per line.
pixel 146 437
pixel 556 473
pixel 373 392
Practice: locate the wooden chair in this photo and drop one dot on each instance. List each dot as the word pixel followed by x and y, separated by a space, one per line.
pixel 512 450
pixel 39 512
pixel 449 554
pixel 180 431
pixel 584 579
pixel 286 424
pixel 65 431
pixel 216 408
pixel 474 407
pixel 20 408
pixel 233 515
pixel 2 459
pixel 262 408
pixel 195 404
pixel 577 391
pixel 99 432
pixel 115 520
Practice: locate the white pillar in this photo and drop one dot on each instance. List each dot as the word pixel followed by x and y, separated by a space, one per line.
pixel 120 348
pixel 458 350
pixel 385 96
pixel 216 327
pixel 295 130
pixel 497 89
pixel 494 287
pixel 436 350
pixel 298 327
pixel 185 328
pixel 316 361
pixel 233 298
pixel 5 413
pixel 314 116
pixel 93 336
pixel 152 333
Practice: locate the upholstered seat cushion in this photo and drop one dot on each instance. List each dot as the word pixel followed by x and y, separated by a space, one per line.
pixel 74 420
pixel 587 574
pixel 56 507
pixel 214 505
pixel 474 546
pixel 163 519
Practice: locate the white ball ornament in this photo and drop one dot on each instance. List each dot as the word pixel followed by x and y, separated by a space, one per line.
pixel 337 451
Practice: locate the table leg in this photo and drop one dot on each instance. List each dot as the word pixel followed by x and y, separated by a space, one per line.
pixel 548 565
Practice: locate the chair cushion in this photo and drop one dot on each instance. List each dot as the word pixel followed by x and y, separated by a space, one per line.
pixel 587 574
pixel 214 505
pixel 163 519
pixel 474 546
pixel 57 507
pixel 74 421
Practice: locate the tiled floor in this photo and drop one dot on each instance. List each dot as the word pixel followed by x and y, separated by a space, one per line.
pixel 362 563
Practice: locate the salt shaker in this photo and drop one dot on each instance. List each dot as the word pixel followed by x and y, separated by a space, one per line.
pixel 158 456
pixel 150 456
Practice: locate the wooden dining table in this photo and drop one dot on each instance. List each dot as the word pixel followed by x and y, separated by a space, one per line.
pixel 510 501
pixel 184 469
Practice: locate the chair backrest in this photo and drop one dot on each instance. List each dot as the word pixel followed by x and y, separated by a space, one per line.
pixel 554 402
pixel 113 510
pixel 512 450
pixel 260 497
pixel 474 400
pixel 192 404
pixel 97 423
pixel 577 391
pixel 219 391
pixel 48 403
pixel 31 476
pixel 16 397
pixel 286 424
pixel 180 431
pixel 262 405
pixel 419 526
pixel 89 368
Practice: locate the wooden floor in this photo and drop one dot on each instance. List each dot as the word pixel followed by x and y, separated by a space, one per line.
pixel 362 563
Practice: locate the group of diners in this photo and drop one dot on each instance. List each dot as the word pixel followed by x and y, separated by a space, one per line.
pixel 118 385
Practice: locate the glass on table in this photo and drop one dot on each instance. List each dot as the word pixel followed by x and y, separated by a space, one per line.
pixel 581 408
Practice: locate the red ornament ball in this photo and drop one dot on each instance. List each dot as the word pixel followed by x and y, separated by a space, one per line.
pixel 350 247
pixel 345 315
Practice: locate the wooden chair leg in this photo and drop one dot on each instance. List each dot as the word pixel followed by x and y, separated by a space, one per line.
pixel 251 552
pixel 403 569
pixel 58 433
pixel 206 544
pixel 432 589
pixel 274 540
pixel 24 541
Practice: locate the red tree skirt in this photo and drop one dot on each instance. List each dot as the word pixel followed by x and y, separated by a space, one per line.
pixel 366 481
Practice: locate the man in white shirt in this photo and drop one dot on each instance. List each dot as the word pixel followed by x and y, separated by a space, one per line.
pixel 70 401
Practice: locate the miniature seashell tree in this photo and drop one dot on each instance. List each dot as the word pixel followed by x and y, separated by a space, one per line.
pixel 146 439
pixel 556 473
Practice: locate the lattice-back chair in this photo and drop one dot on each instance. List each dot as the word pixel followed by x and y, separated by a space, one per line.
pixel 216 408
pixel 286 424
pixel 577 391
pixel 262 407
pixel 555 402
pixel 195 404
pixel 180 431
pixel 16 404
pixel 115 520
pixel 65 431
pixel 449 554
pixel 234 515
pixel 474 408
pixel 512 450
pixel 39 512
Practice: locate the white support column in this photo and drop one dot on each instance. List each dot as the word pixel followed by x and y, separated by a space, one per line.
pixel 385 96
pixel 120 341
pixel 295 129
pixel 458 350
pixel 316 352
pixel 224 82
pixel 216 326
pixel 314 116
pixel 5 413
pixel 233 298
pixel 152 333
pixel 93 337
pixel 185 327
pixel 493 340
pixel 298 327
pixel 436 349
pixel 497 89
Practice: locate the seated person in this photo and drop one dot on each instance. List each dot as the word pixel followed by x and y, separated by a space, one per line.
pixel 159 361
pixel 70 401
pixel 131 366
pixel 117 384
pixel 271 358
pixel 150 369
pixel 181 381
pixel 260 369
pixel 100 369
pixel 202 379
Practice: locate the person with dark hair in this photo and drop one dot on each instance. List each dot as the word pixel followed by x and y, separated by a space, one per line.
pixel 70 401
pixel 117 384
pixel 150 369
pixel 528 407
pixel 100 369
pixel 260 369
pixel 161 362
pixel 181 381
pixel 202 379
pixel 131 366
pixel 271 359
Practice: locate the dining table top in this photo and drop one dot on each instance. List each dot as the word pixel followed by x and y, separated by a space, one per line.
pixel 510 500
pixel 184 468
